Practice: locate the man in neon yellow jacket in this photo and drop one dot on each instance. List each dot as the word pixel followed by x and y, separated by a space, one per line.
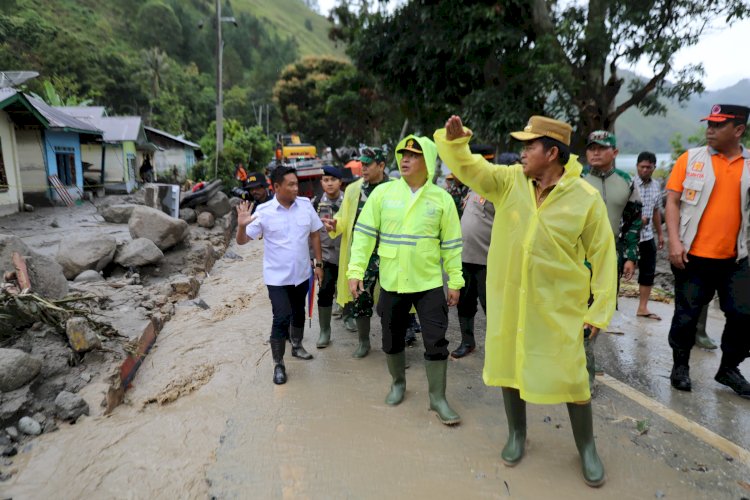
pixel 549 221
pixel 414 224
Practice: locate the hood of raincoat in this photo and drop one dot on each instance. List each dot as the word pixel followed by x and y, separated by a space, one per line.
pixel 429 151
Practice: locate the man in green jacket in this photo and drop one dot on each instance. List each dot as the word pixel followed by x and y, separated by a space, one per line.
pixel 355 196
pixel 415 225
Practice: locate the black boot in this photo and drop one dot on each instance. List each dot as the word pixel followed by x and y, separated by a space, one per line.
pixel 277 352
pixel 467 338
pixel 297 350
pixel 680 376
pixel 582 422
pixel 731 377
pixel 515 412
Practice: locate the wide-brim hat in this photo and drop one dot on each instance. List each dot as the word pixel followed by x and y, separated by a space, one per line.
pixel 542 126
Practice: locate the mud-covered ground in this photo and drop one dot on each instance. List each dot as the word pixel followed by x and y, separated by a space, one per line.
pixel 204 420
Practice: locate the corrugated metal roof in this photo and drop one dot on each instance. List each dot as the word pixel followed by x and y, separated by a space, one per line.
pixel 61 120
pixel 83 111
pixel 118 128
pixel 6 93
pixel 173 137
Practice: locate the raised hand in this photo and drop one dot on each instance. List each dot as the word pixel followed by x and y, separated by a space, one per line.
pixel 454 129
pixel 244 218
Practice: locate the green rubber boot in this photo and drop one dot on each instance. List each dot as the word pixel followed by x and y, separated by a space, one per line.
pixel 515 412
pixel 436 378
pixel 581 420
pixel 702 339
pixel 324 319
pixel 397 369
pixel 363 330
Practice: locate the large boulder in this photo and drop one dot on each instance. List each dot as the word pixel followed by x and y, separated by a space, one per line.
pixel 118 214
pixel 188 215
pixel 46 275
pixel 139 252
pixel 207 220
pixel 17 369
pixel 80 253
pixel 218 204
pixel 157 226
pixel 70 406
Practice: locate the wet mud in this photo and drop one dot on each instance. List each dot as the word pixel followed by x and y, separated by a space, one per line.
pixel 203 420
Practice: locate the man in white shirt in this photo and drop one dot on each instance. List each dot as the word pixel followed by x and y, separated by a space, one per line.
pixel 286 224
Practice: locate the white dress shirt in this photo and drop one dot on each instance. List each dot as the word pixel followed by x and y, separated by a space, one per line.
pixel 286 232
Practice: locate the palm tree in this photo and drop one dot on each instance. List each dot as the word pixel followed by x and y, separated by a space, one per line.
pixel 155 65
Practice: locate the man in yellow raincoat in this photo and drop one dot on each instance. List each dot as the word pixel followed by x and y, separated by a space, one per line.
pixel 415 225
pixel 549 221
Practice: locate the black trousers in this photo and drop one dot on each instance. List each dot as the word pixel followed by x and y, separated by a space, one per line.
pixel 475 287
pixel 647 262
pixel 432 309
pixel 288 305
pixel 328 286
pixel 695 286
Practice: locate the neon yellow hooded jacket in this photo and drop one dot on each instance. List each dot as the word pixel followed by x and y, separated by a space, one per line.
pixel 345 227
pixel 537 283
pixel 416 230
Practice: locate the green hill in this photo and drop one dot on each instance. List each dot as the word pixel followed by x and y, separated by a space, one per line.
pixel 156 58
pixel 636 132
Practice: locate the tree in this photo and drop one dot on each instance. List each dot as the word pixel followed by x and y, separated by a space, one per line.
pixel 246 145
pixel 332 103
pixel 158 26
pixel 499 62
pixel 155 65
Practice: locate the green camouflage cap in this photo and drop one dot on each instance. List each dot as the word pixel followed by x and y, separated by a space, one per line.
pixel 370 155
pixel 603 138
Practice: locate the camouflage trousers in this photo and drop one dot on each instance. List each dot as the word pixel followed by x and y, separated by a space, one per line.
pixel 362 306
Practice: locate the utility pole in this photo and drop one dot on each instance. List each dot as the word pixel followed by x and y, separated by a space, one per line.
pixel 219 83
pixel 219 91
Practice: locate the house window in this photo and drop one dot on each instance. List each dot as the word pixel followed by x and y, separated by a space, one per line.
pixel 3 175
pixel 66 168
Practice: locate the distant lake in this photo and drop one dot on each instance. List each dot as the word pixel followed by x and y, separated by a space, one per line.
pixel 628 162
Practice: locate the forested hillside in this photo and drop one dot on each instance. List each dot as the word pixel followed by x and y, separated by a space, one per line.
pixel 156 58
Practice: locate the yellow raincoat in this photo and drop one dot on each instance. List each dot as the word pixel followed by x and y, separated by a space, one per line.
pixel 537 283
pixel 344 228
pixel 416 231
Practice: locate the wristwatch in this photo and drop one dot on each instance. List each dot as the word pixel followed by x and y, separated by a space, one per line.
pixel 318 264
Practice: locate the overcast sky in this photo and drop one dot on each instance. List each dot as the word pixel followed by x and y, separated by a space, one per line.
pixel 718 51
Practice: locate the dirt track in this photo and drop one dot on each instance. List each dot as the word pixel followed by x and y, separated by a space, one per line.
pixel 204 420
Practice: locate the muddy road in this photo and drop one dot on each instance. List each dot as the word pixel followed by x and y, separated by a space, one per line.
pixel 204 420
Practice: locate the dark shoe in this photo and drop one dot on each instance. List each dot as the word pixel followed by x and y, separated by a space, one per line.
pixel 437 372
pixel 515 412
pixel 363 331
pixel 467 337
pixel 397 368
pixel 582 422
pixel 324 319
pixel 410 337
pixel 680 378
pixel 297 350
pixel 732 378
pixel 279 374
pixel 462 351
pixel 277 352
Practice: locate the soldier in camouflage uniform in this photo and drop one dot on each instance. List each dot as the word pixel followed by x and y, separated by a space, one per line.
pixel 624 208
pixel 458 192
pixel 355 196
